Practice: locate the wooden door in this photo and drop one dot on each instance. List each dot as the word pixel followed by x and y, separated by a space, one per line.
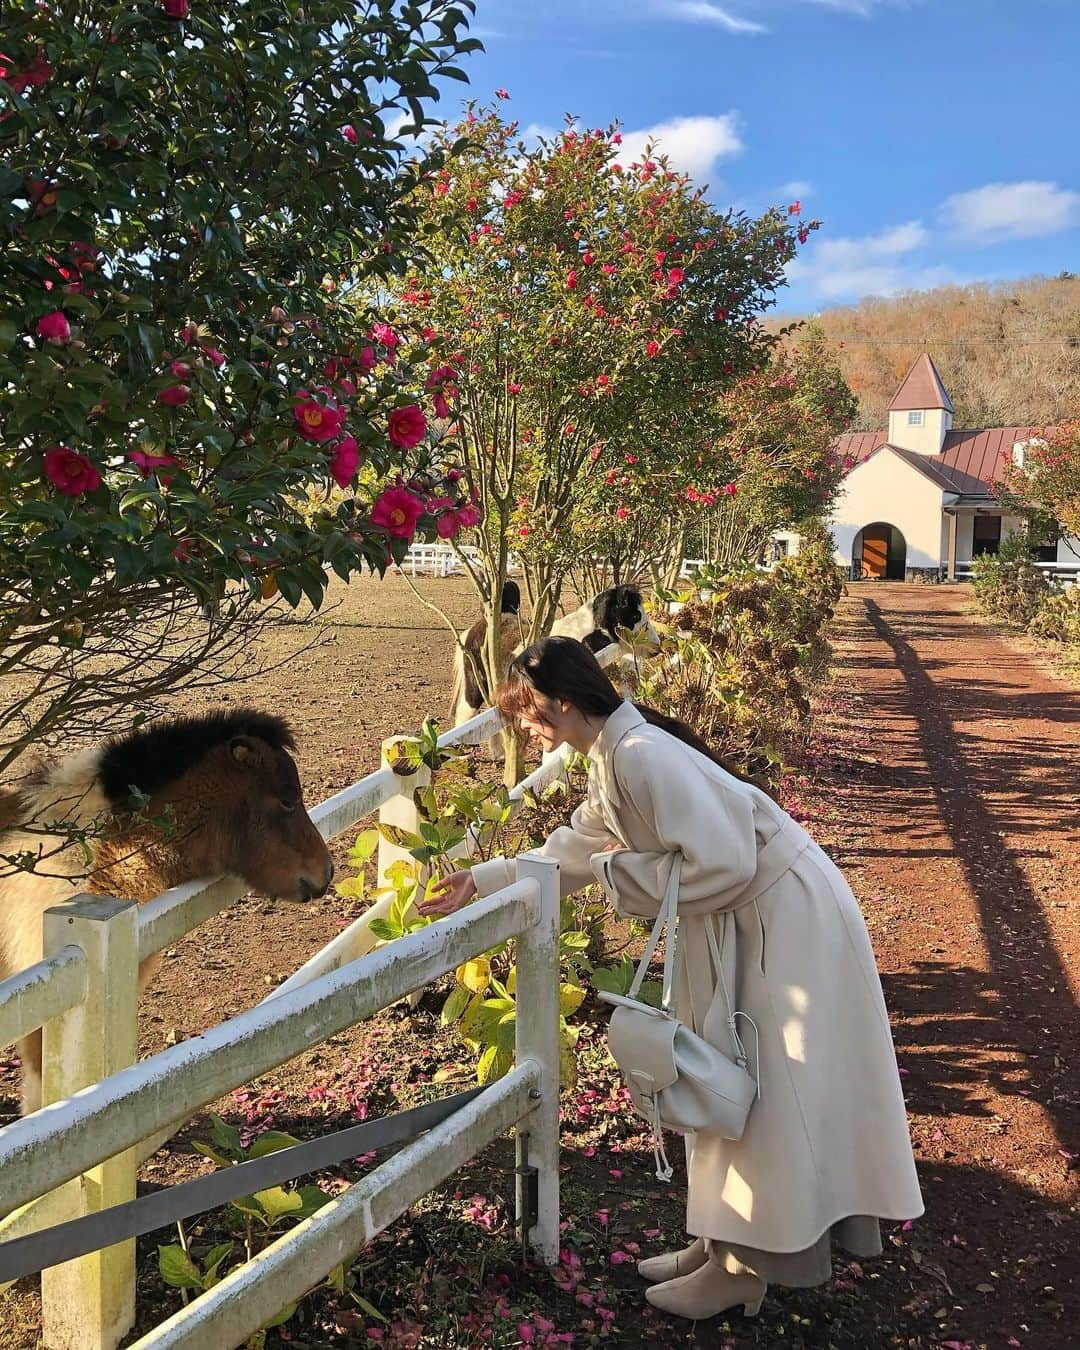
pixel 875 554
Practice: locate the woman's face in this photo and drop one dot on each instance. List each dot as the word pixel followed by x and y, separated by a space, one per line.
pixel 548 721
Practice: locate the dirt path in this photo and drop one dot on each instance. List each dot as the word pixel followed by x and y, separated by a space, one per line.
pixel 955 795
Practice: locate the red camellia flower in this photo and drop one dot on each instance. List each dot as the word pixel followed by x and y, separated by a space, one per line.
pixel 345 461
pixel 468 516
pixel 148 463
pixel 794 208
pixel 54 327
pixel 513 389
pixel 406 427
pixel 652 348
pixel 397 511
pixel 316 421
pixel 366 360
pixel 350 134
pixel 214 356
pixel 71 473
pixel 571 280
pixel 175 9
pixel 180 369
pixel 730 489
pixel 501 93
pixel 382 332
pixel 175 396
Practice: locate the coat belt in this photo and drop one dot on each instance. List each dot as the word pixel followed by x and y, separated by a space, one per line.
pixel 776 857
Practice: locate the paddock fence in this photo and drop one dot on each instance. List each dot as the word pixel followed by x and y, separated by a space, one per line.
pixel 104 1113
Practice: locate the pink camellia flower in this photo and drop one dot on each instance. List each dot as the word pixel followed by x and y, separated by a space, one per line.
pixel 382 332
pixel 175 396
pixel 71 473
pixel 468 516
pixel 148 463
pixel 367 359
pixel 730 489
pixel 513 389
pixel 345 461
pixel 350 134
pixel 448 525
pixel 794 208
pixel 675 276
pixel 571 280
pixel 406 427
pixel 501 93
pixel 397 511
pixel 316 421
pixel 54 327
pixel 214 356
pixel 175 9
pixel 180 369
pixel 188 334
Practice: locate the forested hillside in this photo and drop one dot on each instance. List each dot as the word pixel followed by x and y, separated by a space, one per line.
pixel 1009 353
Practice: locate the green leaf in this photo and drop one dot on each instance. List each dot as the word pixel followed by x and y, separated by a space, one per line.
pixel 177 1268
pixel 455 1005
pixel 208 1151
pixel 214 1257
pixel 364 847
pixel 271 1142
pixel 225 1137
pixel 8 334
pixel 384 930
pixel 281 1318
pixel 276 1202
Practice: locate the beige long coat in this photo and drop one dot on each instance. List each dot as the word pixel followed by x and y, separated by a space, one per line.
pixel 828 1137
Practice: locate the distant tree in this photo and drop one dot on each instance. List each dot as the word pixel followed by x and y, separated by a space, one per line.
pixel 1046 487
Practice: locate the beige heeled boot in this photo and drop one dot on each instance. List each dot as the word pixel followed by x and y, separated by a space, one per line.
pixel 708 1291
pixel 659 1269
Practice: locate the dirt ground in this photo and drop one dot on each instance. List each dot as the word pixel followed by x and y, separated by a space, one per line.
pixel 944 779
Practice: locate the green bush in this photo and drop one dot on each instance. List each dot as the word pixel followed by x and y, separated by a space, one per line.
pixel 1007 584
pixel 1057 618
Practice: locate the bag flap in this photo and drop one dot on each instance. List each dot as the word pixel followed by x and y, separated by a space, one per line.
pixel 642 1043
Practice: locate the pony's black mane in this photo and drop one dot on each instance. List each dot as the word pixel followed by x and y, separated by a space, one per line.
pixel 159 754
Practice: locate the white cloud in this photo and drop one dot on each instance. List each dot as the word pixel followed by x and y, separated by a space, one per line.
pixel 875 264
pixel 1000 211
pixel 704 11
pixel 796 190
pixel 692 144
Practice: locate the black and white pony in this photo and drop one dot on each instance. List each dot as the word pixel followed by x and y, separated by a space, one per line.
pixel 597 623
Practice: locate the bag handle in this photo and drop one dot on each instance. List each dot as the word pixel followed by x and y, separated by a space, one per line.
pixel 665 919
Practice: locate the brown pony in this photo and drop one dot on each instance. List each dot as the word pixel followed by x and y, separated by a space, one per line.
pixel 184 798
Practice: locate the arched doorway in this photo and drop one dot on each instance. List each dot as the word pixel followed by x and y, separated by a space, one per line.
pixel 879 553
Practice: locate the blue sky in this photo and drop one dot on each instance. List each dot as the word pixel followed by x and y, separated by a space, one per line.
pixel 937 140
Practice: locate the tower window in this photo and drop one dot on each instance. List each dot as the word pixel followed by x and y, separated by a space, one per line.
pixel 914 419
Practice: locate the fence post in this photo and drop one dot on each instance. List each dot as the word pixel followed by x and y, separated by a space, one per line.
pixel 538 1039
pixel 89 1303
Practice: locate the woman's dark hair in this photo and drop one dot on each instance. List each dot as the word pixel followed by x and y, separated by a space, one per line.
pixel 563 668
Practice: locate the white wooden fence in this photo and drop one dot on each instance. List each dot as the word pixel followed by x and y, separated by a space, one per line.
pixel 444 560
pixel 104 1113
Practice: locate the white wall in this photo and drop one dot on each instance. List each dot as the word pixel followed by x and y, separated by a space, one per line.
pixel 927 439
pixel 886 488
pixel 1068 550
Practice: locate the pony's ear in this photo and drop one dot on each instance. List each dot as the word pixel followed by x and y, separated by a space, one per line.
pixel 243 749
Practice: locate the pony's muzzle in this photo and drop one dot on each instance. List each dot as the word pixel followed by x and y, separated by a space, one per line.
pixel 309 889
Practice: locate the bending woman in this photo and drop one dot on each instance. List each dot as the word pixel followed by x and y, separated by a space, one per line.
pixel 826 1153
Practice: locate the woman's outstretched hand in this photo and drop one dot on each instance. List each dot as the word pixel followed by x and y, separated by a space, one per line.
pixel 448 896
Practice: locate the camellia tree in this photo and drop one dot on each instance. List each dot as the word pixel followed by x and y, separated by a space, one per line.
pixel 1046 486
pixel 572 294
pixel 744 461
pixel 191 197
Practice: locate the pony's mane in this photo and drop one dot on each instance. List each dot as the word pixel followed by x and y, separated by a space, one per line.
pixel 159 754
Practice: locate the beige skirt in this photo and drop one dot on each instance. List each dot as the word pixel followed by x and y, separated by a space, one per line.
pixel 860 1235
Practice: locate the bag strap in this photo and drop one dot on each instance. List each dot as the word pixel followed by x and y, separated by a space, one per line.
pixel 741 1056
pixel 665 919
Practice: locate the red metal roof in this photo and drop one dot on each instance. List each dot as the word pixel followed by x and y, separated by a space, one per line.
pixel 921 388
pixel 970 463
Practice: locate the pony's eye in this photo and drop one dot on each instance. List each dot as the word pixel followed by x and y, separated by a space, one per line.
pixel 289 804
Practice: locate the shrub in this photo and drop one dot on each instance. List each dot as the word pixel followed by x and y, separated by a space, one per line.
pixel 1057 618
pixel 1007 584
